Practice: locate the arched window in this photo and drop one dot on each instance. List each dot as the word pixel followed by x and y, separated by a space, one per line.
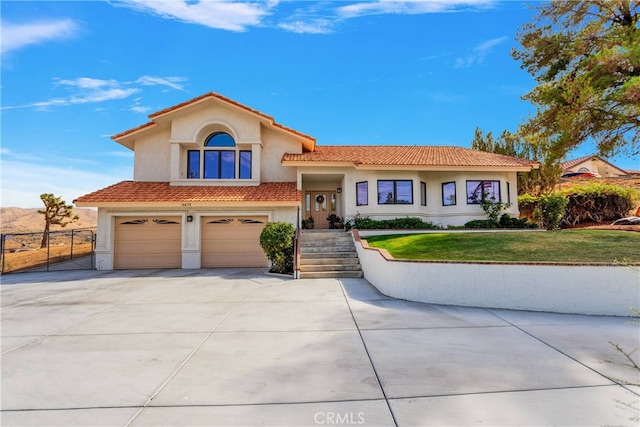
pixel 220 139
pixel 222 159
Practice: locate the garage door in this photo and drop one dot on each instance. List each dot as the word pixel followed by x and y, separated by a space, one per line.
pixel 147 242
pixel 232 242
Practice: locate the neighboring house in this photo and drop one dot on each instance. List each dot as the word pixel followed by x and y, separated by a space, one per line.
pixel 593 164
pixel 210 173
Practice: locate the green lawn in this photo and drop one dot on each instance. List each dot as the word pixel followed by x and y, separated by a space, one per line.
pixel 552 246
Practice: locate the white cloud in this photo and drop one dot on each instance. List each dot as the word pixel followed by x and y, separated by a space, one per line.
pixel 172 82
pixel 16 36
pixel 317 26
pixel 87 90
pixel 479 53
pixel 222 14
pixel 411 7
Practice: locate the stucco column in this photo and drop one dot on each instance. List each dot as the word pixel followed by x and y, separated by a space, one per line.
pixel 175 161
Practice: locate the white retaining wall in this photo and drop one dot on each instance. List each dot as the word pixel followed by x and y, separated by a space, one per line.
pixel 579 289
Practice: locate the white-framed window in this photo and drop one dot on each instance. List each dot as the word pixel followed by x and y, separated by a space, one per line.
pixel 220 158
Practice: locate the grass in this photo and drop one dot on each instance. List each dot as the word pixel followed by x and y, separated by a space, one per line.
pixel 551 246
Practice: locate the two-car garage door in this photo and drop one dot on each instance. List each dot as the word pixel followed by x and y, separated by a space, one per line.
pixel 155 242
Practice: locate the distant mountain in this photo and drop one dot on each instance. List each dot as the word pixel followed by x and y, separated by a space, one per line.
pixel 19 220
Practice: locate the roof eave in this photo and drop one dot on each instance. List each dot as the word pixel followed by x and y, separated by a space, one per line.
pixel 191 204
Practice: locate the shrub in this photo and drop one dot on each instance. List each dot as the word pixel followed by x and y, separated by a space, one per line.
pixel 551 209
pixel 480 223
pixel 526 205
pixel 507 221
pixel 492 210
pixel 276 240
pixel 367 223
pixel 598 202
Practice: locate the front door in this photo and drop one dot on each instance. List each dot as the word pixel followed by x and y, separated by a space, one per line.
pixel 319 205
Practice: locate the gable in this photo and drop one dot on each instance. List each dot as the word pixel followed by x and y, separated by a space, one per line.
pixel 191 116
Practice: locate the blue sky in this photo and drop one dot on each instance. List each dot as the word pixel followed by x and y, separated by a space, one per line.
pixel 346 72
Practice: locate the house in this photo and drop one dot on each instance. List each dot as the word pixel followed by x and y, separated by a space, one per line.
pixel 592 164
pixel 210 173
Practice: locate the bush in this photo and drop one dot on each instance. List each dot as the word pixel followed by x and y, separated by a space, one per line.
pixel 276 240
pixel 492 210
pixel 507 221
pixel 551 209
pixel 367 223
pixel 526 205
pixel 480 223
pixel 598 202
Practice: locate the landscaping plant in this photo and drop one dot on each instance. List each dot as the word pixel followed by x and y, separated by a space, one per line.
pixel 550 210
pixel 276 240
pixel 366 223
pixel 598 202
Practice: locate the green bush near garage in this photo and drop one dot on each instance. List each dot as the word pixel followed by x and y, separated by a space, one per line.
pixel 276 240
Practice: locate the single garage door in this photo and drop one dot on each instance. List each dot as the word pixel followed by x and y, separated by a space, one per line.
pixel 148 242
pixel 233 242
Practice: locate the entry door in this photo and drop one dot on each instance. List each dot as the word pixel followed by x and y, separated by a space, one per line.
pixel 319 205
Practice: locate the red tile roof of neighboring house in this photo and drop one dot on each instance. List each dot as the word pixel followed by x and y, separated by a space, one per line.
pixel 159 192
pixel 390 155
pixel 211 95
pixel 575 162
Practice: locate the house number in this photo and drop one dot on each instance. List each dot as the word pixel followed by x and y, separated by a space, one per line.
pixel 186 205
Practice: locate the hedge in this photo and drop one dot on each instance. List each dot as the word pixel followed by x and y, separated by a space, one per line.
pixel 593 202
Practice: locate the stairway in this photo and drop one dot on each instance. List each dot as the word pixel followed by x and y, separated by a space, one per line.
pixel 328 254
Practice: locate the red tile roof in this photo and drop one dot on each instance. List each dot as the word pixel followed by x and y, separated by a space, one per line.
pixel 390 155
pixel 575 162
pixel 210 95
pixel 161 192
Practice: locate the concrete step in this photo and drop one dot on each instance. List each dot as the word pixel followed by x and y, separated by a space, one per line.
pixel 330 267
pixel 323 243
pixel 330 261
pixel 321 255
pixel 330 274
pixel 324 249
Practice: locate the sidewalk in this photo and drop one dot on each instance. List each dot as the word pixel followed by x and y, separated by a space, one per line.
pixel 237 347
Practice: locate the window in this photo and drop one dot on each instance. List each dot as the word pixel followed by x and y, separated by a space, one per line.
pixel 362 193
pixel 395 192
pixel 221 159
pixel 220 139
pixel 245 164
pixel 423 193
pixel 477 191
pixel 448 193
pixel 193 164
pixel 508 193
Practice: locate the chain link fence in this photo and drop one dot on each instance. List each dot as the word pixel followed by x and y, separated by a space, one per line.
pixel 57 250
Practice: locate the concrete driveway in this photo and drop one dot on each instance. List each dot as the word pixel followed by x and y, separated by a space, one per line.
pixel 237 347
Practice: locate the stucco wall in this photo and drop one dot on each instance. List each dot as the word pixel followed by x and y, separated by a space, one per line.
pixel 434 211
pixel 152 157
pixel 275 145
pixel 596 290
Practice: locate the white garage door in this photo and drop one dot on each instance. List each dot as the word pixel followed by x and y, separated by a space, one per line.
pixel 147 242
pixel 233 242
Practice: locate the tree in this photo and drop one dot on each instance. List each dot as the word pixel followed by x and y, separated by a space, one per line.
pixel 56 212
pixel 585 57
pixel 525 146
